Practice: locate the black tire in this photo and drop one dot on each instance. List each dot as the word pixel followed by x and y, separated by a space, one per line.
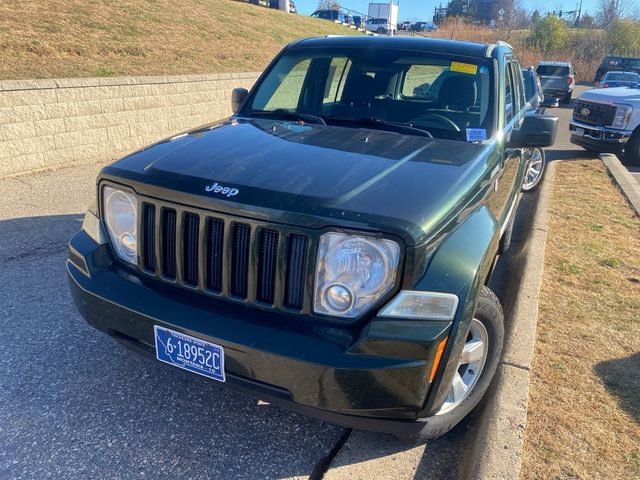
pixel 632 149
pixel 532 187
pixel 489 313
pixel 567 98
pixel 381 30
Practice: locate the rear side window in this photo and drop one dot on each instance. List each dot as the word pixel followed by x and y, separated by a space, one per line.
pixel 517 83
pixel 553 71
pixel 508 95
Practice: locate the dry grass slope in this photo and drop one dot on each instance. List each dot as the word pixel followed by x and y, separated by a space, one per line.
pixel 88 38
pixel 584 415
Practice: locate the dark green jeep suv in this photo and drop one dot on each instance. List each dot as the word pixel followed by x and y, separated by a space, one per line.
pixel 327 247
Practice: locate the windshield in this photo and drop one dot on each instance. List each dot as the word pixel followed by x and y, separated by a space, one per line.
pixel 349 85
pixel 622 77
pixel 552 70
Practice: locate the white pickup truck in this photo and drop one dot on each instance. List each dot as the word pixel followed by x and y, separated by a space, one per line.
pixel 608 120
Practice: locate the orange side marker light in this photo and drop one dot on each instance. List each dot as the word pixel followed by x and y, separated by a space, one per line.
pixel 438 357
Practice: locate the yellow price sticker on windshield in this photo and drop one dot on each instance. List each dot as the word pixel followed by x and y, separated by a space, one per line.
pixel 469 68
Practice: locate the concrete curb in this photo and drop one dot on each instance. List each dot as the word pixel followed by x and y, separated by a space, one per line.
pixel 496 452
pixel 629 185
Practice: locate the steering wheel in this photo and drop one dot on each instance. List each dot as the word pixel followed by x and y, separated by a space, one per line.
pixel 437 119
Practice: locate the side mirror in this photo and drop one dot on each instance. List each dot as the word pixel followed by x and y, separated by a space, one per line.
pixel 550 102
pixel 536 131
pixel 238 96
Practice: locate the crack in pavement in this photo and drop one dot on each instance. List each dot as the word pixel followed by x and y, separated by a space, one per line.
pixel 34 252
pixel 325 462
pixel 515 365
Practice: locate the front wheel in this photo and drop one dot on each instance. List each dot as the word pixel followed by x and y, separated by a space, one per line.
pixel 567 97
pixel 632 149
pixel 535 171
pixel 476 367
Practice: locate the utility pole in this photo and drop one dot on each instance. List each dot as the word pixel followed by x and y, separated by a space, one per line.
pixel 579 15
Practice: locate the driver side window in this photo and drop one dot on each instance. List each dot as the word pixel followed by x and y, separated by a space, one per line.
pixel 283 86
pixel 418 80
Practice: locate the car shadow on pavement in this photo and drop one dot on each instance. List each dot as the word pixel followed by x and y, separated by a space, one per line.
pixel 562 105
pixel 570 155
pixel 616 377
pixel 82 405
pixel 76 403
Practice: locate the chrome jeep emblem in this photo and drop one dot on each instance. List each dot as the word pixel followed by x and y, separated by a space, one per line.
pixel 585 112
pixel 221 189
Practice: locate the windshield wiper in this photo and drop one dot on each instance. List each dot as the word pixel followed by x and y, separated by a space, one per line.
pixel 306 117
pixel 377 121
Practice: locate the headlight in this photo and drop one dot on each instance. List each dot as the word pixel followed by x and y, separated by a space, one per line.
pixel 622 117
pixel 121 217
pixel 352 273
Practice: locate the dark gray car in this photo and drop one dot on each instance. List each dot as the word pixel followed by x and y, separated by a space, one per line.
pixel 558 79
pixel 617 64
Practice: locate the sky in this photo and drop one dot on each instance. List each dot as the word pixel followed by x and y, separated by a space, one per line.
pixel 423 9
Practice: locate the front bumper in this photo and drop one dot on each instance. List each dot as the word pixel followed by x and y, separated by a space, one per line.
pixel 599 138
pixel 372 378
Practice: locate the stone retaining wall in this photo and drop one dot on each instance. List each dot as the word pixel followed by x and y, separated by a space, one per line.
pixel 58 122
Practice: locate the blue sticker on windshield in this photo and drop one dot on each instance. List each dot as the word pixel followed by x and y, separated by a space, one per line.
pixel 476 134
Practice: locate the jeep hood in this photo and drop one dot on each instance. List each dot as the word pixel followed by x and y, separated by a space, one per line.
pixel 274 170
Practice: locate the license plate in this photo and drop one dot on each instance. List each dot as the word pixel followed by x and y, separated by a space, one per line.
pixel 580 132
pixel 189 353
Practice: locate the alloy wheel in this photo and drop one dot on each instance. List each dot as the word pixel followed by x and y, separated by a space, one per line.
pixel 470 366
pixel 534 171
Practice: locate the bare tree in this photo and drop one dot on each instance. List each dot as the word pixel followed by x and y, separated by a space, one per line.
pixel 587 21
pixel 517 15
pixel 328 5
pixel 610 10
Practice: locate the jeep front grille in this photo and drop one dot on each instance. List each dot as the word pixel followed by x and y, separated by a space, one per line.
pixel 227 257
pixel 599 114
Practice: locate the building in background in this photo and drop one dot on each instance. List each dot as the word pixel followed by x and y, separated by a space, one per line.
pixel 482 12
pixel 491 12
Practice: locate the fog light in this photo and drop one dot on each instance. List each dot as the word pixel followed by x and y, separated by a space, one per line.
pixel 338 298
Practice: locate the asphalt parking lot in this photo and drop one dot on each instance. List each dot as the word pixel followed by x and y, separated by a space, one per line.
pixel 74 404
